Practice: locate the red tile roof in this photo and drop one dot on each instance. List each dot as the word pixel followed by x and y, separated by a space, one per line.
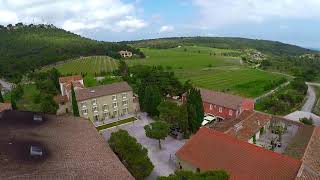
pixel 60 99
pixel 69 79
pixel 250 123
pixel 221 99
pixel 5 106
pixel 209 149
pixel 311 158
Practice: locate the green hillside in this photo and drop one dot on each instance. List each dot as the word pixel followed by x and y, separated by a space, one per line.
pixel 268 47
pixel 28 47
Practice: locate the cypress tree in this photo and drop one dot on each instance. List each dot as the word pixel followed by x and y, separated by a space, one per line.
pixel 1 98
pixel 152 99
pixel 195 109
pixel 13 103
pixel 74 103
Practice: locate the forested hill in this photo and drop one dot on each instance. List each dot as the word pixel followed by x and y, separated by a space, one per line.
pixel 24 48
pixel 268 47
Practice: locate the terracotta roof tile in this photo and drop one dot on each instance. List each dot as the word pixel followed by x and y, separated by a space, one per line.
pixel 311 158
pixel 69 79
pixel 209 149
pixel 94 92
pixel 222 99
pixel 5 106
pixel 73 149
pixel 250 123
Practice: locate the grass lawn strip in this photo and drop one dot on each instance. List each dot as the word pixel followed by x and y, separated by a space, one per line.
pixel 117 123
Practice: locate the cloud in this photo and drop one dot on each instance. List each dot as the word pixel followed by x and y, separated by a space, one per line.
pixel 130 24
pixel 225 12
pixel 166 28
pixel 73 15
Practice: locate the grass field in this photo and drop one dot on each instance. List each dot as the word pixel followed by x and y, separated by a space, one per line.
pixel 216 72
pixel 90 65
pixel 206 67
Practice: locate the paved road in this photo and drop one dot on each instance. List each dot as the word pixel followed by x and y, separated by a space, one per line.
pixel 297 115
pixel 6 86
pixel 164 159
pixel 311 100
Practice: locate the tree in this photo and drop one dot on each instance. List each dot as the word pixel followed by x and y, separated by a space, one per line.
pixel 168 112
pixel 183 120
pixel 75 107
pixel 132 154
pixel 47 104
pixel 90 81
pixel 13 102
pixel 195 109
pixel 190 175
pixel 54 75
pixel 1 97
pixel 157 130
pixel 123 68
pixel 152 99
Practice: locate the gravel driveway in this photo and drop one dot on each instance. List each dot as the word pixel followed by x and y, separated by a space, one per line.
pixel 164 159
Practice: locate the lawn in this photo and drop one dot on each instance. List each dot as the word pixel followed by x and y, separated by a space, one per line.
pixel 90 65
pixel 117 123
pixel 210 68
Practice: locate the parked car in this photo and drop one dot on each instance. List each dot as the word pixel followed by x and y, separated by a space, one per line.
pixel 208 119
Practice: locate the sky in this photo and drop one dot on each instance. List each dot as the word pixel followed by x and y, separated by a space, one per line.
pixel 291 21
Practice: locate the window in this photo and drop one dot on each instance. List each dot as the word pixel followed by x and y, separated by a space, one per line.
pixel 105 107
pixel 124 95
pixel 114 97
pixel 124 102
pixel 210 106
pixel 96 117
pixel 115 113
pixel 115 105
pixel 94 102
pixel 105 115
pixel 83 104
pixel 85 111
pixel 95 109
pixel 125 111
pixel 230 112
pixel 220 109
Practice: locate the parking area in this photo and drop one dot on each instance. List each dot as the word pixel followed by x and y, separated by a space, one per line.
pixel 164 159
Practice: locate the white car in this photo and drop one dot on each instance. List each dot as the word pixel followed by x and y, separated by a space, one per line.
pixel 208 119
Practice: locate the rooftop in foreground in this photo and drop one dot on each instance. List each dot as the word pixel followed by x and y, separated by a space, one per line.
pixel 71 148
pixel 209 149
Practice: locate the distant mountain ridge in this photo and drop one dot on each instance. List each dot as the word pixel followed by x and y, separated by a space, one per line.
pixel 265 46
pixel 24 48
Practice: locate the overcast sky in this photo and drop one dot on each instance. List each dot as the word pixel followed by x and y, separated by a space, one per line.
pixel 292 21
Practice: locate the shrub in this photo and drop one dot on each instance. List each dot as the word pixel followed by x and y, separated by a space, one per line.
pixel 307 121
pixel 132 154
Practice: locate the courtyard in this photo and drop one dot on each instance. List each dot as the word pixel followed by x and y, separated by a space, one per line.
pixel 164 159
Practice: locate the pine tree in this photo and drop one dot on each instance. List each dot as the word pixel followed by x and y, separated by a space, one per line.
pixel 74 103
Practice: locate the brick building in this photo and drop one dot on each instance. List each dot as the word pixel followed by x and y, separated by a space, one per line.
pixel 224 106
